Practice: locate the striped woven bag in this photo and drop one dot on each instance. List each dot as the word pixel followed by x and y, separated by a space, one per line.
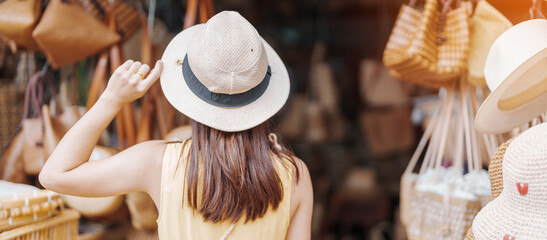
pixel 429 48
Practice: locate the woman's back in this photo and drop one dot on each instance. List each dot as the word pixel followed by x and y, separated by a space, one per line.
pixel 178 220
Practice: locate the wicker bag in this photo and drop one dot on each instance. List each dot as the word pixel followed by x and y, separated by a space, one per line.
pixel 67 33
pixel 24 204
pixel 486 25
pixel 61 227
pixel 126 17
pixel 441 202
pixel 409 178
pixel 17 20
pixel 429 48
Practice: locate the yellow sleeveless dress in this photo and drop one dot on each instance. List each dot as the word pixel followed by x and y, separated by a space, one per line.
pixel 177 220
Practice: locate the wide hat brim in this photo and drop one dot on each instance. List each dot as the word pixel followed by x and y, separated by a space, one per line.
pixel 501 218
pixel 492 119
pixel 229 119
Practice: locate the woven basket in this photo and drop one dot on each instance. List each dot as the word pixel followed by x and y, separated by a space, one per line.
pixel 30 207
pixel 413 50
pixel 425 225
pixel 61 227
pixel 11 110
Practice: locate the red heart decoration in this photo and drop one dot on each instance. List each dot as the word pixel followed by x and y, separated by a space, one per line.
pixel 523 188
pixel 507 237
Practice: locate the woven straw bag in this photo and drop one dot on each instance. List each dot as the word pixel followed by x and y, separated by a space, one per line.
pixel 67 33
pixel 429 48
pixel 486 25
pixel 126 17
pixel 17 20
pixel 61 227
pixel 441 202
pixel 24 206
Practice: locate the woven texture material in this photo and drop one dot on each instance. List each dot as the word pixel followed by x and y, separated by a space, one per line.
pixel 225 62
pixel 496 176
pixel 519 211
pixel 67 33
pixel 61 227
pixel 11 110
pixel 486 24
pixel 495 169
pixel 17 20
pixel 418 56
pixel 240 72
pixel 437 220
pixel 21 209
pixel 126 17
pixel 408 182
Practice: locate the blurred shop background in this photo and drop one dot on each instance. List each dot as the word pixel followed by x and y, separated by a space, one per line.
pixel 354 125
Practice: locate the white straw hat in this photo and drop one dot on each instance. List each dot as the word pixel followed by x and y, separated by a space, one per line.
pixel 224 75
pixel 516 73
pixel 520 211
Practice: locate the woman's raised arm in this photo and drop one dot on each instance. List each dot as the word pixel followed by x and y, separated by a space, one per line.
pixel 68 171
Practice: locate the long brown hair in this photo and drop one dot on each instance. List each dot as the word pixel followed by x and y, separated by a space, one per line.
pixel 236 171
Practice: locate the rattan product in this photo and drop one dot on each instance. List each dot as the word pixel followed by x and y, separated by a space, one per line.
pixel 61 227
pixel 18 209
pixel 496 177
pixel 495 169
pixel 429 48
pixel 11 110
pixel 519 212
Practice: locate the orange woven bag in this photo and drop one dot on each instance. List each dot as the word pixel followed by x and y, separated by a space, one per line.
pixel 429 48
pixel 67 33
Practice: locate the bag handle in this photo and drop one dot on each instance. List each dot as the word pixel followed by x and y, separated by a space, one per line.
pixel 35 92
pixel 423 141
pixel 445 127
pixel 475 138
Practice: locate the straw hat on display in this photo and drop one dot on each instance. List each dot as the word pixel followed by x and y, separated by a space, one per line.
pixel 520 211
pixel 224 75
pixel 516 73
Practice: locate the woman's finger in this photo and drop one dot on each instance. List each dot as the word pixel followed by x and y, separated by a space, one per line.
pixel 135 67
pixel 154 74
pixel 144 69
pixel 126 65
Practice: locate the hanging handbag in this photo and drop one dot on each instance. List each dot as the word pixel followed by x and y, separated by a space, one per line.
pixel 34 155
pixel 126 17
pixel 444 201
pixel 429 48
pixel 375 81
pixel 486 24
pixel 12 168
pixel 67 33
pixel 17 20
pixel 387 131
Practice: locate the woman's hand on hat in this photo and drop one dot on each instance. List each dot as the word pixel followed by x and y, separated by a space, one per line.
pixel 130 81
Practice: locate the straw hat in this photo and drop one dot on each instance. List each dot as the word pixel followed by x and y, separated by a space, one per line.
pixel 520 211
pixel 515 73
pixel 224 75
